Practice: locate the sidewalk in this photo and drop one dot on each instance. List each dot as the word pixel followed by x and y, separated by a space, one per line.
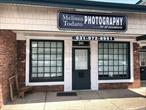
pixel 121 99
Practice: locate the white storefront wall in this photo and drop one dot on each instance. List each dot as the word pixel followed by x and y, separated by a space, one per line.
pixel 68 63
pixel 42 22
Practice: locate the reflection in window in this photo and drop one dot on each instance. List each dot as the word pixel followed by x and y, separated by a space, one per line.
pixel 46 60
pixel 114 60
pixel 81 59
pixel 143 58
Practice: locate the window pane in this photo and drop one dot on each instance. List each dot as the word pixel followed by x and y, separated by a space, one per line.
pixel 105 45
pixel 53 50
pixel 47 44
pixel 59 44
pixel 40 57
pixel 100 56
pixel 81 59
pixel 116 56
pixel 47 75
pixel 116 73
pixel 59 63
pixel 116 68
pixel 111 68
pixel 59 74
pixel 34 44
pixel 34 69
pixel 40 75
pixel 105 68
pixel 116 45
pixel 40 44
pixel 105 51
pixel 47 50
pixel 47 63
pixel 116 51
pixel 111 45
pixel 47 57
pixel 100 62
pixel 100 45
pixel 47 69
pixel 53 63
pixel 100 68
pixel 53 44
pixel 34 63
pixel 34 50
pixel 34 57
pixel 111 51
pixel 40 69
pixel 105 56
pixel 40 50
pixel 143 58
pixel 100 51
pixel 53 69
pixel 40 63
pixel 111 62
pixel 59 69
pixel 59 51
pixel 53 75
pixel 116 62
pixel 121 68
pixel 105 62
pixel 111 56
pixel 121 51
pixel 59 57
pixel 34 75
pixel 53 57
pixel 120 45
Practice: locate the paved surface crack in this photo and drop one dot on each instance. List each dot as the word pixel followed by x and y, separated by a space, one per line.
pixel 45 100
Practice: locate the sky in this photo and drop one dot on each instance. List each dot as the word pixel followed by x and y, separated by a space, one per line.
pixel 119 1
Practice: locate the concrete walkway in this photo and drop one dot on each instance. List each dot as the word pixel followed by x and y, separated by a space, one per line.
pixel 121 99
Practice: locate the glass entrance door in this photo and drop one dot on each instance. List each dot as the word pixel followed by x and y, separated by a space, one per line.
pixel 81 69
pixel 143 65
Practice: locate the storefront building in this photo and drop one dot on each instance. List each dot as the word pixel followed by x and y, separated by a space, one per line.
pixel 70 45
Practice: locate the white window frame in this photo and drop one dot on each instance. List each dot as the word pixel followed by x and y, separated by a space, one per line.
pixel 131 66
pixel 27 82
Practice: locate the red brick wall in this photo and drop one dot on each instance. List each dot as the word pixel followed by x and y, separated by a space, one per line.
pixel 136 82
pixel 8 55
pixel 21 56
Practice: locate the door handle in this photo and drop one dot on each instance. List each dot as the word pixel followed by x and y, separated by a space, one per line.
pixel 142 69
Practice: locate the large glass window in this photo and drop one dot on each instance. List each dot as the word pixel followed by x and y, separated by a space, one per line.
pixel 46 60
pixel 113 60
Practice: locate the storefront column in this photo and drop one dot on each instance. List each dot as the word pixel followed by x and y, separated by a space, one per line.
pixel 68 65
pixel 8 62
pixel 94 65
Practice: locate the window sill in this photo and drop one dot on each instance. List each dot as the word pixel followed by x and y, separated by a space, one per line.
pixel 116 81
pixel 44 83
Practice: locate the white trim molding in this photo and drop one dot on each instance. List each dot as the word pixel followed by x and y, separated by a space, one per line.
pixel 68 63
pixel 94 65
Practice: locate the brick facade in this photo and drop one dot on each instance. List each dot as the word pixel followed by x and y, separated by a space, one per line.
pixel 13 58
pixel 8 65
pixel 21 71
pixel 136 82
